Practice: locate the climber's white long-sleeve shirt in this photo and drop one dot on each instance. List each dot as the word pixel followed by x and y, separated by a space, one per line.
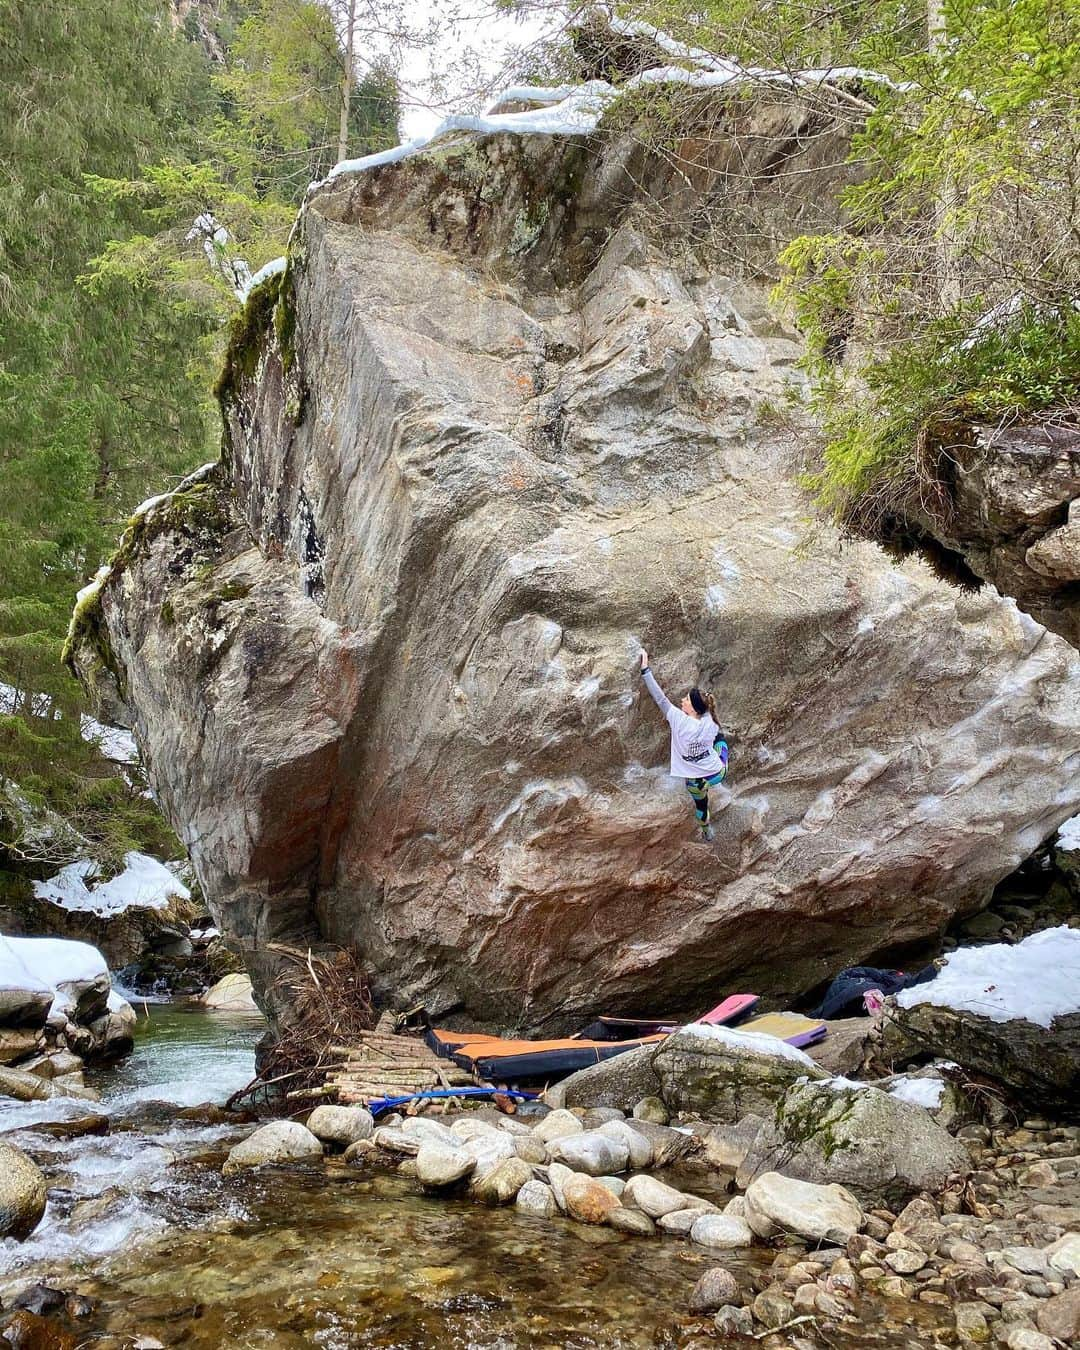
pixel 692 752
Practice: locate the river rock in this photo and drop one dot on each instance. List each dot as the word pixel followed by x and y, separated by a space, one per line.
pixel 822 1213
pixel 772 1308
pixel 467 498
pixel 727 1145
pixel 625 1220
pixel 596 1116
pixel 558 1125
pixel 721 1232
pixel 1064 1254
pixel 341 1125
pixel 587 1200
pixel 882 1149
pixel 1059 1316
pixel 232 993
pixel 668 1144
pixel 638 1147
pixel 22 1193
pixel 18 1043
pixel 469 1127
pixel 438 1166
pixel 591 1152
pixel 532 1150
pixel 500 1184
pixel 715 1287
pixel 279 1142
pixel 27 1087
pixel 488 1150
pixel 431 1132
pixel 114 1031
pixel 724 1075
pixel 24 1006
pixel 653 1197
pixel 731 1320
pixel 651 1109
pixel 679 1221
pixel 558 1174
pixel 537 1199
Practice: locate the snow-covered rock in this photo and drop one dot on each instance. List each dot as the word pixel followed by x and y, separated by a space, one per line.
pixel 724 1075
pixel 1009 1012
pixel 144 883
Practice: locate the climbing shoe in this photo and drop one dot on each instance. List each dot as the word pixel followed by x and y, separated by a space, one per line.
pixel 707 835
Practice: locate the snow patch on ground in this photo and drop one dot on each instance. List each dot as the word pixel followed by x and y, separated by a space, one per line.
pixel 1069 835
pixel 144 883
pixel 925 1092
pixel 1036 980
pixel 753 1042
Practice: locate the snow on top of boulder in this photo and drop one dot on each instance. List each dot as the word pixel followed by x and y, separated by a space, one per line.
pixel 45 963
pixel 1069 835
pixel 576 110
pixel 144 883
pixel 753 1042
pixel 1036 980
pixel 918 1091
pixel 271 269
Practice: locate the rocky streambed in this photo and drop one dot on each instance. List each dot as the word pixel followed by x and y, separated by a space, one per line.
pixel 156 1234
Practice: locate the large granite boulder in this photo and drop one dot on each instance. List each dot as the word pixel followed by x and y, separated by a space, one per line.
pixel 879 1148
pixel 488 434
pixel 724 1075
pixel 621 1081
pixel 1009 1012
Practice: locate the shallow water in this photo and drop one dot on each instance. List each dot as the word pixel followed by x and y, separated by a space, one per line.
pixel 332 1257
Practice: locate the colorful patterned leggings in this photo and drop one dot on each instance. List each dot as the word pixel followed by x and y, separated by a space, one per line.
pixel 698 788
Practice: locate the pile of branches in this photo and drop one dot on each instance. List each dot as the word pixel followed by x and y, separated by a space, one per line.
pixel 328 998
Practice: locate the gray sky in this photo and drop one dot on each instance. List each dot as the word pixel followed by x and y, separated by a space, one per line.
pixel 462 51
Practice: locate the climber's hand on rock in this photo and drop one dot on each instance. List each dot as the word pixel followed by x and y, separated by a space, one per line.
pixel 644 660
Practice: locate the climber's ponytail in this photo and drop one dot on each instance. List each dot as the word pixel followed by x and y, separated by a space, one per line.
pixel 711 704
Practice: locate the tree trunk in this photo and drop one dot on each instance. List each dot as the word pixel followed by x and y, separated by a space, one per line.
pixel 346 82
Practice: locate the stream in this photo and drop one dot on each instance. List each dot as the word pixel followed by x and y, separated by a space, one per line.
pixel 141 1221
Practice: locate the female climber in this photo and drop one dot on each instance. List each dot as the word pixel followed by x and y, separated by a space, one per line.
pixel 699 753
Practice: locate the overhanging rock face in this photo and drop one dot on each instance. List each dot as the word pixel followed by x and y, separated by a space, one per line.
pixel 488 435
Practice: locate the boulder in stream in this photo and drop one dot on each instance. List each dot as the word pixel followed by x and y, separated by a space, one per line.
pixel 279 1142
pixel 22 1193
pixel 777 1203
pixel 341 1125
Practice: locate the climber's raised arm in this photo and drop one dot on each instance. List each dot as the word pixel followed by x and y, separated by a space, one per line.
pixel 659 697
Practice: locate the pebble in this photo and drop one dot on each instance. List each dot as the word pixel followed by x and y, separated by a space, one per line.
pixel 625 1220
pixel 1023 1338
pixel 716 1287
pixel 587 1200
pixel 829 1305
pixel 905 1262
pixel 538 1199
pixel 721 1232
pixel 894 1286
pixel 734 1321
pixel 971 1325
pixel 772 1308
